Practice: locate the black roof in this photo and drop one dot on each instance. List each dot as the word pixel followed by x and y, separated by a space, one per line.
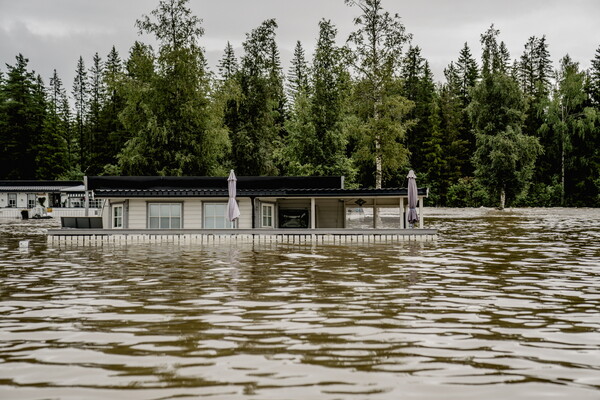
pixel 247 186
pixel 36 186
pixel 211 182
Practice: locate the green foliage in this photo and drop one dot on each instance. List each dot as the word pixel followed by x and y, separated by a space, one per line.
pixel 256 141
pixel 468 192
pixel 375 54
pixel 22 116
pixel 368 111
pixel 316 142
pixel 298 74
pixel 167 104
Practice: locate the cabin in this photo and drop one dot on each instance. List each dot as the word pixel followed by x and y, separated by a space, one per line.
pixel 44 198
pixel 279 207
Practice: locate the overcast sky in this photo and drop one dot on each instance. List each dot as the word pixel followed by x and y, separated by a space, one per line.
pixel 52 34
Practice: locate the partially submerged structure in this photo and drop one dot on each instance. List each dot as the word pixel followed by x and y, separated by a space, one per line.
pixel 54 198
pixel 270 208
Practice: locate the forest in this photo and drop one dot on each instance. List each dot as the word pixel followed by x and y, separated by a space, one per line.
pixel 499 131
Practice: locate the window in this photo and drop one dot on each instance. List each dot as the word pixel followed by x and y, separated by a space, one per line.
pixel 215 216
pixel 164 215
pixel 267 215
pixel 31 200
pixel 12 200
pixel 117 216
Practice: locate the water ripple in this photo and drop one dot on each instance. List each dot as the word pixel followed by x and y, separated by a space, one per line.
pixel 503 304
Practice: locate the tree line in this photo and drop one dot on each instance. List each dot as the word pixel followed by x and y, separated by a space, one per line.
pixel 497 131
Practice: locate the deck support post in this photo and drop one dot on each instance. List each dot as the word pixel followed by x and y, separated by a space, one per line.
pixel 401 206
pixel 313 219
pixel 421 212
pixel 375 214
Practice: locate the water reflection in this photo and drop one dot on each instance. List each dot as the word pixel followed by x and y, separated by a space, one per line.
pixel 503 304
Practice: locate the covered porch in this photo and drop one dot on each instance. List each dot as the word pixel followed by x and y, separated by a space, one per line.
pixel 339 212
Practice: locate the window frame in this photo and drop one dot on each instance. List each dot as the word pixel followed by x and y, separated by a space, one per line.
pixel 113 217
pixel 271 207
pixel 31 203
pixel 14 198
pixel 233 224
pixel 149 204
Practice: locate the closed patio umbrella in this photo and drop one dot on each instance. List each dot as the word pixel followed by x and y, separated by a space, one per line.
pixel 413 217
pixel 233 211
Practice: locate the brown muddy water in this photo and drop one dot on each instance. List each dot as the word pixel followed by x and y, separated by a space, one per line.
pixel 504 305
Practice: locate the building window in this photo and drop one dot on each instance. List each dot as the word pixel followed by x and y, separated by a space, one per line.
pixel 267 215
pixel 215 216
pixel 164 215
pixel 31 200
pixel 12 200
pixel 117 216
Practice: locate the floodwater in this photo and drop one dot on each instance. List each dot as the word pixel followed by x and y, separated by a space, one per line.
pixel 503 305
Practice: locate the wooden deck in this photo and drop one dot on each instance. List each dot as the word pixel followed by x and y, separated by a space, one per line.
pixel 217 236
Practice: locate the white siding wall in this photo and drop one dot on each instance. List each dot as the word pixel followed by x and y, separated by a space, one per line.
pixel 3 200
pixel 137 214
pixel 245 220
pixel 21 200
pixel 192 212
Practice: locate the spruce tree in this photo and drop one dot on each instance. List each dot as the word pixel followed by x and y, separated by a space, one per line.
pixel 52 157
pixel 534 70
pixel 81 97
pixel 298 72
pixel 504 157
pixel 316 142
pixel 228 66
pixel 167 100
pixel 572 127
pixel 419 88
pixel 96 136
pixel 111 128
pixel 594 80
pixel 468 74
pixel 20 114
pixel 257 140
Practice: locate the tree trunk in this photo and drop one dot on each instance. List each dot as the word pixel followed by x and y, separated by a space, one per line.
pixel 502 199
pixel 378 162
pixel 562 174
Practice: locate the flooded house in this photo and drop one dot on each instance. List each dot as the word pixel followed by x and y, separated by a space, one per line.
pixel 273 208
pixel 45 198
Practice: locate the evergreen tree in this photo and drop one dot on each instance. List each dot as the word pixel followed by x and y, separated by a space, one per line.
pixel 20 113
pixel 504 157
pixel 257 139
pixel 317 142
pixel 228 92
pixel 594 80
pixel 533 72
pixel 298 73
pixel 468 74
pixel 456 149
pixel 573 126
pixel 419 88
pixel 111 128
pixel 376 48
pixel 97 95
pixel 167 109
pixel 81 97
pixel 228 66
pixel 52 159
